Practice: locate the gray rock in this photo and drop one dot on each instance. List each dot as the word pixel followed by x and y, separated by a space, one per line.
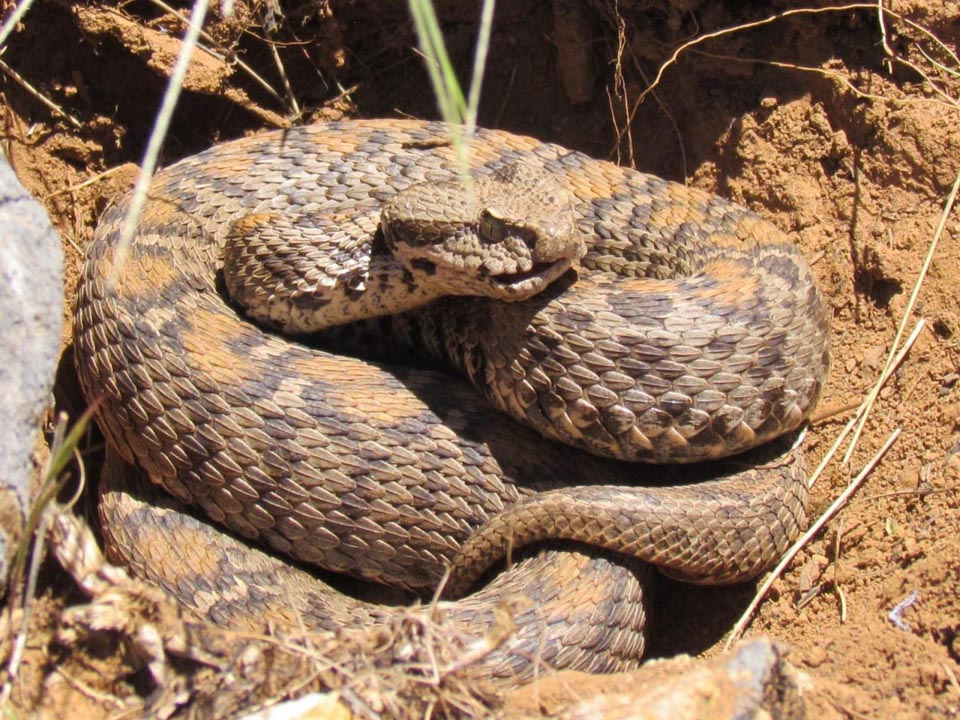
pixel 31 312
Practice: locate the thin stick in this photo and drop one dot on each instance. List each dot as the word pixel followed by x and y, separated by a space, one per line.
pixel 222 51
pixel 292 103
pixel 937 64
pixel 892 56
pixel 672 60
pixel 665 109
pixel 86 183
pixel 158 135
pixel 37 95
pixel 883 32
pixel 952 675
pixel 825 414
pixel 842 599
pixel 805 538
pixel 107 698
pixel 908 311
pixel 865 405
pixel 911 493
pixel 946 100
pixel 940 43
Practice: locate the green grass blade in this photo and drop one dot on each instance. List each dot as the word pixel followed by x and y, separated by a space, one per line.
pixel 458 112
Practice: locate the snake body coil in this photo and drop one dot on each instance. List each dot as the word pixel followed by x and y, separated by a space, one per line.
pixel 711 339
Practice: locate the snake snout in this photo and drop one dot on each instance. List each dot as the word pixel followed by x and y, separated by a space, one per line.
pixel 522 285
pixel 507 234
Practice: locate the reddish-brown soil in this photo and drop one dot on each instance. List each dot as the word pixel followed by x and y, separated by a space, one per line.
pixel 842 131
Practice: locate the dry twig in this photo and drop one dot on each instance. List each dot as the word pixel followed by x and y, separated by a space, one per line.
pixel 700 39
pixel 866 404
pixel 802 541
pixel 222 51
pixel 92 180
pixel 908 311
pixel 37 95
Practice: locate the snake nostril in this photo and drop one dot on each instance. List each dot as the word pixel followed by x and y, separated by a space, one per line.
pixel 492 226
pixel 424 265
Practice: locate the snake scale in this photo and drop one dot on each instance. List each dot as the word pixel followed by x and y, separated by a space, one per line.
pixel 689 330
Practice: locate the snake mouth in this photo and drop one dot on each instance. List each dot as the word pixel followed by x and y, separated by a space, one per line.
pixel 522 285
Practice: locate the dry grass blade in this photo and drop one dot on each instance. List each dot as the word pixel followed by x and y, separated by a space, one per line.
pixel 802 541
pixel 11 22
pixel 865 406
pixel 63 449
pixel 893 57
pixel 908 311
pixel 459 111
pixel 92 180
pixel 292 105
pixel 862 411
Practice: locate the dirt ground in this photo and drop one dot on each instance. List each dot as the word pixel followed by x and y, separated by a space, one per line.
pixel 839 128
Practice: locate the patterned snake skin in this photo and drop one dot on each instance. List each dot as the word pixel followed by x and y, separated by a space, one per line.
pixel 713 340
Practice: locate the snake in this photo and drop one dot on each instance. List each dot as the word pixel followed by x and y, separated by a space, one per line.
pixel 633 354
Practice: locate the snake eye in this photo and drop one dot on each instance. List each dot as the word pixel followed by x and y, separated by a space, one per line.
pixel 493 228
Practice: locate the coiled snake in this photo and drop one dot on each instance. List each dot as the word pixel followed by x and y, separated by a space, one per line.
pixel 710 339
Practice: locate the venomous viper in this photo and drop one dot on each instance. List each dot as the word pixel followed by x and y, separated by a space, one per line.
pixel 690 329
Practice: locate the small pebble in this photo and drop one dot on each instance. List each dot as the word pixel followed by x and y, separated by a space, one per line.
pixel 947 382
pixel 815 657
pixel 953 465
pixel 873 357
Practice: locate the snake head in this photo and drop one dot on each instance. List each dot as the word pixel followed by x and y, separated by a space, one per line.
pixel 507 234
